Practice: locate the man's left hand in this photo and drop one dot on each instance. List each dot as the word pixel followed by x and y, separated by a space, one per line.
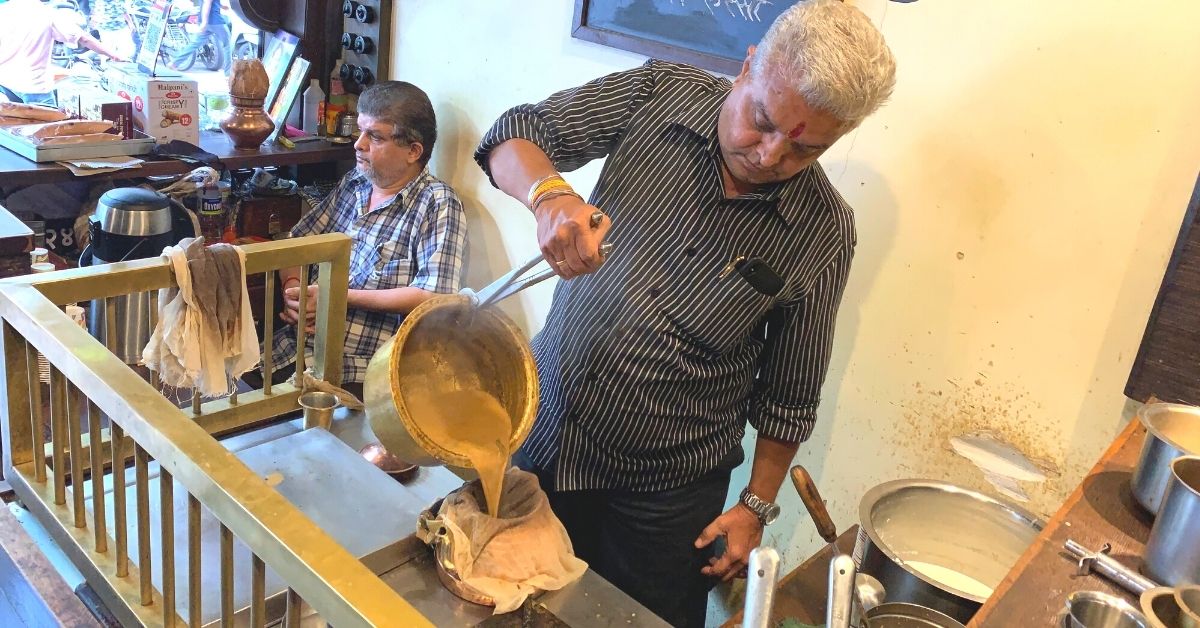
pixel 742 531
pixel 291 307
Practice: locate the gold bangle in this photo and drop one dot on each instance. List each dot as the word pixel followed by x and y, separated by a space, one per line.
pixel 550 186
pixel 554 194
pixel 539 183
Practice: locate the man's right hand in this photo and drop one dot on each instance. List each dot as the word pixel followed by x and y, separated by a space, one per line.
pixel 567 238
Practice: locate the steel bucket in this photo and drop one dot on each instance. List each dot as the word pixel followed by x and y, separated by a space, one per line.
pixel 1172 553
pixel 945 525
pixel 498 358
pixel 1172 430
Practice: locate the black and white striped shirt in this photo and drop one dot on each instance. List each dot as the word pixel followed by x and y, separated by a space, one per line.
pixel 651 366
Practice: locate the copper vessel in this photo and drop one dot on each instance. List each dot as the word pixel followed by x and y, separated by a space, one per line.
pixel 248 124
pixel 480 349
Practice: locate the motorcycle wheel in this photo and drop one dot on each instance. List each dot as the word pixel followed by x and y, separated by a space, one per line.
pixel 213 54
pixel 245 50
pixel 184 64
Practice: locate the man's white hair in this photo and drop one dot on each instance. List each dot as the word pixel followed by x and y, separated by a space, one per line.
pixel 831 55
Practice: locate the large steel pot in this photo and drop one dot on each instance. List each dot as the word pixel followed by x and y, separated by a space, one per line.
pixel 940 524
pixel 477 349
pixel 1172 554
pixel 1172 430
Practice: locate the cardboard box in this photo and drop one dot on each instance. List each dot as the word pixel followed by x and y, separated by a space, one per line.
pixel 89 101
pixel 165 106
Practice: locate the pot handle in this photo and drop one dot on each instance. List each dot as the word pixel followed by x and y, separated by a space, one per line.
pixel 807 490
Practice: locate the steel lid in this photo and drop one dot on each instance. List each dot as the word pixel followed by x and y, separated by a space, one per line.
pixel 133 212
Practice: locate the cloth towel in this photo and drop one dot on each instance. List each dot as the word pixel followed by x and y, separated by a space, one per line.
pixel 205 336
pixel 308 382
pixel 508 558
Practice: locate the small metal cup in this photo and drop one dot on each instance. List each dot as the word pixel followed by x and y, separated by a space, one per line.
pixel 1093 609
pixel 318 408
pixel 1172 556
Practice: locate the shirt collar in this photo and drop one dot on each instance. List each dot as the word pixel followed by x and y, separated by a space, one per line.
pixel 701 120
pixel 701 117
pixel 402 198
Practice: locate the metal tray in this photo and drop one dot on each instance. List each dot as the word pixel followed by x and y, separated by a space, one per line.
pixel 139 145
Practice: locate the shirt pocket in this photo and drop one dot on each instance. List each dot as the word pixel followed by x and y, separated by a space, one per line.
pixel 714 314
pixel 392 269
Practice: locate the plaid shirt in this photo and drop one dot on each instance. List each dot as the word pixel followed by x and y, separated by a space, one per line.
pixel 418 239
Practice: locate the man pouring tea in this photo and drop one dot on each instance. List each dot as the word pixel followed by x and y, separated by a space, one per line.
pixel 716 308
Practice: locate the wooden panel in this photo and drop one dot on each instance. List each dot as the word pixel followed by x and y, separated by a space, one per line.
pixel 1168 361
pixel 16 168
pixel 1100 510
pixel 371 22
pixel 32 588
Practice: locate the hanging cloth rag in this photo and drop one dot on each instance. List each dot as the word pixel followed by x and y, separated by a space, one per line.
pixel 205 336
pixel 307 382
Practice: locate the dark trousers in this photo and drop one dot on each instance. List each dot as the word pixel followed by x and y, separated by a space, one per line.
pixel 643 542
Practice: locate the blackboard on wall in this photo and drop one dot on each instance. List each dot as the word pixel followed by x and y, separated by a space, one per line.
pixel 711 34
pixel 1168 362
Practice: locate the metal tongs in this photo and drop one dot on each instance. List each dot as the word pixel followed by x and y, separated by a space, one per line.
pixel 516 279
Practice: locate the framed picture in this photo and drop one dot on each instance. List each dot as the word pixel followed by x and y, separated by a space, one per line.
pixel 278 53
pixel 711 34
pixel 293 82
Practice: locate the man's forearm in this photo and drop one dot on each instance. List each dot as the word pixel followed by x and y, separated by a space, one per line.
pixel 289 277
pixel 772 459
pixel 395 300
pixel 91 43
pixel 516 164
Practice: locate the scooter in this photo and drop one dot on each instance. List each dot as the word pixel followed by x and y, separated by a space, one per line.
pixel 212 55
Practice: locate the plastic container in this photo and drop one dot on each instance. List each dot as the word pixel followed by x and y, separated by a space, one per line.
pixel 211 213
pixel 314 108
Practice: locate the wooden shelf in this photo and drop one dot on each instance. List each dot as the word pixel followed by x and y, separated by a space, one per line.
pixel 1100 510
pixel 14 167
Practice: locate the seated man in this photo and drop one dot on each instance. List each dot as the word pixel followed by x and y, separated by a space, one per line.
pixel 408 227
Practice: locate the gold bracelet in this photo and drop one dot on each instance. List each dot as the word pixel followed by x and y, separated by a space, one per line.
pixel 529 198
pixel 547 187
pixel 554 194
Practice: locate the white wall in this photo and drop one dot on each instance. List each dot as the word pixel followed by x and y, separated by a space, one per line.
pixel 1016 204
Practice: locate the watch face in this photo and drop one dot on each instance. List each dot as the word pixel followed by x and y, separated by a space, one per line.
pixel 771 514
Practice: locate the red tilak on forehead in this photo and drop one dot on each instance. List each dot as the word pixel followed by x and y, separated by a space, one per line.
pixel 795 133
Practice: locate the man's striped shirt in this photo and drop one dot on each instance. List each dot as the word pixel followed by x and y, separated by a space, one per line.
pixel 651 367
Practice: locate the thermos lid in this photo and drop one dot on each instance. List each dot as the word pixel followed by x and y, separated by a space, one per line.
pixel 133 212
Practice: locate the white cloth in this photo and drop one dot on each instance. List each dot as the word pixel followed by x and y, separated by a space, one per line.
pixel 197 342
pixel 510 557
pixel 307 382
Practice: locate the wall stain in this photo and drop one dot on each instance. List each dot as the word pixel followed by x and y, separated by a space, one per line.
pixel 931 415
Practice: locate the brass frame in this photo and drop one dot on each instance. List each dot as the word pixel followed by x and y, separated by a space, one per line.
pixel 147 425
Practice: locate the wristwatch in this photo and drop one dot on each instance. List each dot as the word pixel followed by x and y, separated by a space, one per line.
pixel 766 512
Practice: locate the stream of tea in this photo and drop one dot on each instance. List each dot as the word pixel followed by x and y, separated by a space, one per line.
pixel 474 424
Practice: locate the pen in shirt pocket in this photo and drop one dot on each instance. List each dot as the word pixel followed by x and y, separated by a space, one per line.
pixel 756 272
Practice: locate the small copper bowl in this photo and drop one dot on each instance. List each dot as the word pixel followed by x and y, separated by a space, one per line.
pixel 400 470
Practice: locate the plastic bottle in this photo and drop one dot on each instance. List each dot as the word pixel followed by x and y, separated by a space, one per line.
pixel 314 107
pixel 211 214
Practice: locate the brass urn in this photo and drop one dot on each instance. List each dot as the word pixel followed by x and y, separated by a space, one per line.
pixel 248 124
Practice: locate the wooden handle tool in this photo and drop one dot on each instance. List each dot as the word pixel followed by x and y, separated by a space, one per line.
pixel 807 489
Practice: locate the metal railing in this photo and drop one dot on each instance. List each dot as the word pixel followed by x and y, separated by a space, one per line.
pixel 52 475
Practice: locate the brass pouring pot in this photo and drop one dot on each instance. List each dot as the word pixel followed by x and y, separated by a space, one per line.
pixel 500 363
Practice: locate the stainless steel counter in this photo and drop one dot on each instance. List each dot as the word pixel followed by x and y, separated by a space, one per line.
pixel 373 517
